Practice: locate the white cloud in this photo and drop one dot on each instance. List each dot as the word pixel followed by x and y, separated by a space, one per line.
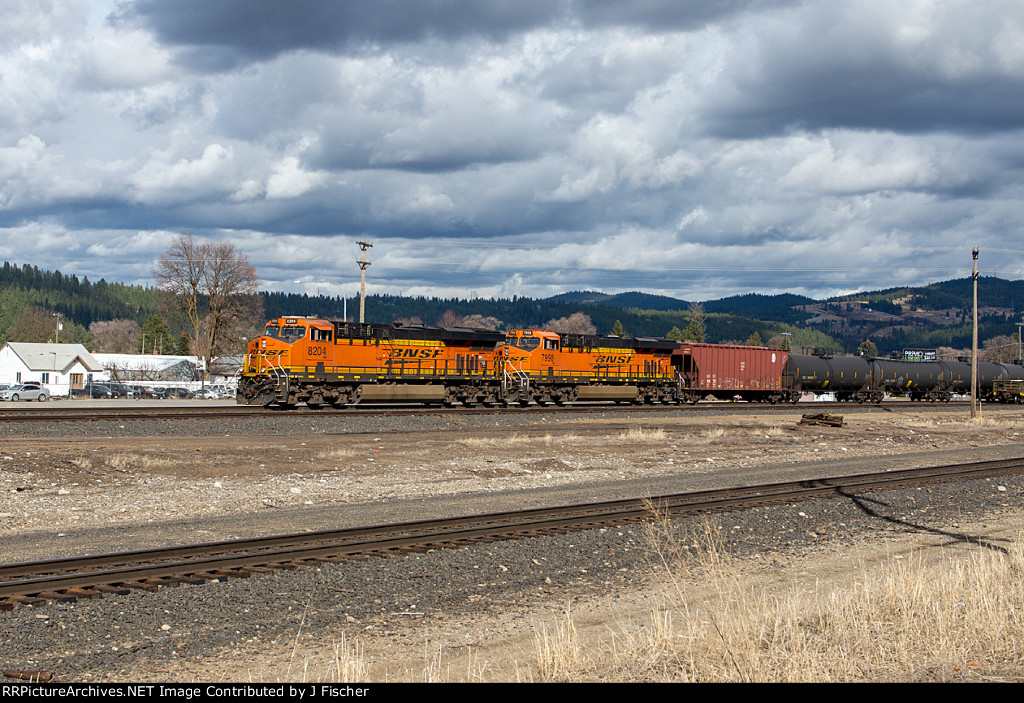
pixel 165 178
pixel 123 59
pixel 289 180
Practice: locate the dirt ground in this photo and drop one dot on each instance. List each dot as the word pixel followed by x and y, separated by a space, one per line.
pixel 96 481
pixel 51 488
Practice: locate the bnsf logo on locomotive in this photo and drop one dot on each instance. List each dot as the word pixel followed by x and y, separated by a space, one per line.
pixel 612 358
pixel 417 353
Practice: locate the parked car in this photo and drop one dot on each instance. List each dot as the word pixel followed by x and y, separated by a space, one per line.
pixel 26 391
pixel 121 390
pixel 154 392
pixel 176 392
pixel 92 390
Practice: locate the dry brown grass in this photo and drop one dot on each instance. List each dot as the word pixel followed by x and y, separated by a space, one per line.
pixel 349 664
pixel 129 460
pixel 957 618
pixel 82 462
pixel 983 421
pixel 639 434
pixel 346 453
pixel 559 654
pixel 516 439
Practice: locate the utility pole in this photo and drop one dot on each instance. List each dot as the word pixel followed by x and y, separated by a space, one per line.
pixel 974 343
pixel 363 263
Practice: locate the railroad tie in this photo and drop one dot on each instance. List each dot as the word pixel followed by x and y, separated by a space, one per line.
pixel 84 593
pixel 191 580
pixel 59 597
pixel 230 574
pixel 112 590
pixel 168 581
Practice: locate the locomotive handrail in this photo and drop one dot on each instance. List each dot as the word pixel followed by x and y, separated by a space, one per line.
pixel 517 375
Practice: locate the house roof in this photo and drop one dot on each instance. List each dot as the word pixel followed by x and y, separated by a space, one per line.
pixel 53 357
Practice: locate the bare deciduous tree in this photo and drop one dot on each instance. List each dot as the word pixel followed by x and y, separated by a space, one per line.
pixel 481 322
pixel 577 323
pixel 1000 350
pixel 215 286
pixel 696 330
pixel 450 318
pixel 115 336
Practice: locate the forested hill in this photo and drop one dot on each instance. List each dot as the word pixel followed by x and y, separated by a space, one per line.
pixel 29 295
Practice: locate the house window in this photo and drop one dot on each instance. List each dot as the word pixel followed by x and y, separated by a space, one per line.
pixel 45 378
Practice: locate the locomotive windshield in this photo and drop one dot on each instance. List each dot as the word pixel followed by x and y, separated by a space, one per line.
pixel 526 343
pixel 286 334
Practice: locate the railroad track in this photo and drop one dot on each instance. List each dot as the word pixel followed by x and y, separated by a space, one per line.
pixel 95 414
pixel 71 578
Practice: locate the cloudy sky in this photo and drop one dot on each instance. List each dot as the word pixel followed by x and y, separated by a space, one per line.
pixel 498 147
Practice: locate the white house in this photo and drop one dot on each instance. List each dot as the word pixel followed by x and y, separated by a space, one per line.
pixel 59 367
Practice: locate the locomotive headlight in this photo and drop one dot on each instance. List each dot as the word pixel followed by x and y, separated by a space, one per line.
pixel 264 344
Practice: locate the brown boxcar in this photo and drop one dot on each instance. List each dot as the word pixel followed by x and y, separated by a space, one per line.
pixel 730 372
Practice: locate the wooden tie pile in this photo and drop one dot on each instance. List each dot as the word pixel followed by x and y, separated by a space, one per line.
pixel 823 419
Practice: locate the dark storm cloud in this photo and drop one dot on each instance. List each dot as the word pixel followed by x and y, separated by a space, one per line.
pixel 871 96
pixel 843 65
pixel 229 31
pixel 668 15
pixel 220 35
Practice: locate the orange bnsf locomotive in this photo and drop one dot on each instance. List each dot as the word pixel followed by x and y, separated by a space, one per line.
pixel 316 362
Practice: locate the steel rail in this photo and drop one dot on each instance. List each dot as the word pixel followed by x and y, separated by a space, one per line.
pixel 70 577
pixel 98 414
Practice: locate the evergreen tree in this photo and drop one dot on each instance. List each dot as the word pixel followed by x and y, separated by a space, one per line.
pixel 675 334
pixel 156 337
pixel 867 348
pixel 617 330
pixel 182 347
pixel 754 340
